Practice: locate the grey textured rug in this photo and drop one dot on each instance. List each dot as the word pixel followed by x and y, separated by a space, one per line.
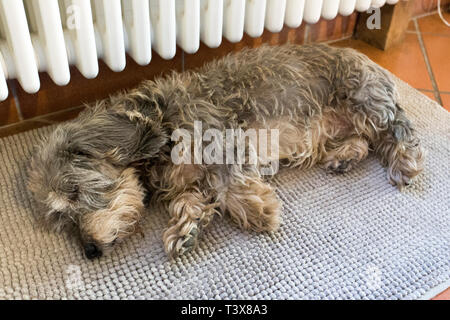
pixel 342 237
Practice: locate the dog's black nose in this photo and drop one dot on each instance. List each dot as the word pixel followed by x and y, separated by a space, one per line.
pixel 92 251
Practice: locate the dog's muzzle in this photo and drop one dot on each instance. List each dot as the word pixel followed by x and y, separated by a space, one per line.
pixel 92 251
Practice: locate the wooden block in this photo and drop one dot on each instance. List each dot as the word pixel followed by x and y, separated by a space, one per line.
pixel 394 20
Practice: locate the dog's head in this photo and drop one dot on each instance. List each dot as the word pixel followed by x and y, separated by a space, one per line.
pixel 82 176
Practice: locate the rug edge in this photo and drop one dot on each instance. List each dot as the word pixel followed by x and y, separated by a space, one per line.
pixel 435 291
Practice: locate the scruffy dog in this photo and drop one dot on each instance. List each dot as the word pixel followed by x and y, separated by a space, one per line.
pixel 330 105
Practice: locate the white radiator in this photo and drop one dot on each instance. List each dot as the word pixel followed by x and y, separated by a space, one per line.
pixel 50 35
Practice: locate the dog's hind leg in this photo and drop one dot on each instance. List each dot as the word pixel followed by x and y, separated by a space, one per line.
pixel 399 149
pixel 190 212
pixel 391 136
pixel 369 98
pixel 343 155
pixel 252 203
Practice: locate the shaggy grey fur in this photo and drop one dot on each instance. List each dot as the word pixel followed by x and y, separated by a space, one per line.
pixel 337 103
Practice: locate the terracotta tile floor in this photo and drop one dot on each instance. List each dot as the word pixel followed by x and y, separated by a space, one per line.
pixel 422 60
pixel 443 296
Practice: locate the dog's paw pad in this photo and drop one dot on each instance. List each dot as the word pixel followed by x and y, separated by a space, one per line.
pixel 188 242
pixel 400 181
pixel 341 166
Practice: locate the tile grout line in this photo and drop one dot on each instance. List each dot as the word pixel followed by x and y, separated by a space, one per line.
pixel 425 14
pixel 426 90
pixel 427 63
pixel 337 40
pixel 429 90
pixel 429 33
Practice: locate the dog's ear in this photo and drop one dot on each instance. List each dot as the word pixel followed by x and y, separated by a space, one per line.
pixel 119 138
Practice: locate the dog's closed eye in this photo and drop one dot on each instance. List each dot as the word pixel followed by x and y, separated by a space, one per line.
pixel 75 153
pixel 75 193
pixel 79 153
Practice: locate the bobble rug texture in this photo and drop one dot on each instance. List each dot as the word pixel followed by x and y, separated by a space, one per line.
pixel 351 236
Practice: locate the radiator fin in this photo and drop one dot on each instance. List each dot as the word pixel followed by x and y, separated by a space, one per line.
pixel 137 26
pixel 233 19
pixel 211 22
pixel 330 9
pixel 188 25
pixel 108 14
pixel 162 17
pixel 275 12
pixel 12 13
pixel 294 13
pixel 255 12
pixel 51 35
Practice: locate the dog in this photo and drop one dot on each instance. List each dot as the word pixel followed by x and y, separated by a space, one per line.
pixel 96 174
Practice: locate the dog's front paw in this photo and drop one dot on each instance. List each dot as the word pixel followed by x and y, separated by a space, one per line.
pixel 178 242
pixel 339 166
pixel 399 179
pixel 344 157
pixel 187 243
